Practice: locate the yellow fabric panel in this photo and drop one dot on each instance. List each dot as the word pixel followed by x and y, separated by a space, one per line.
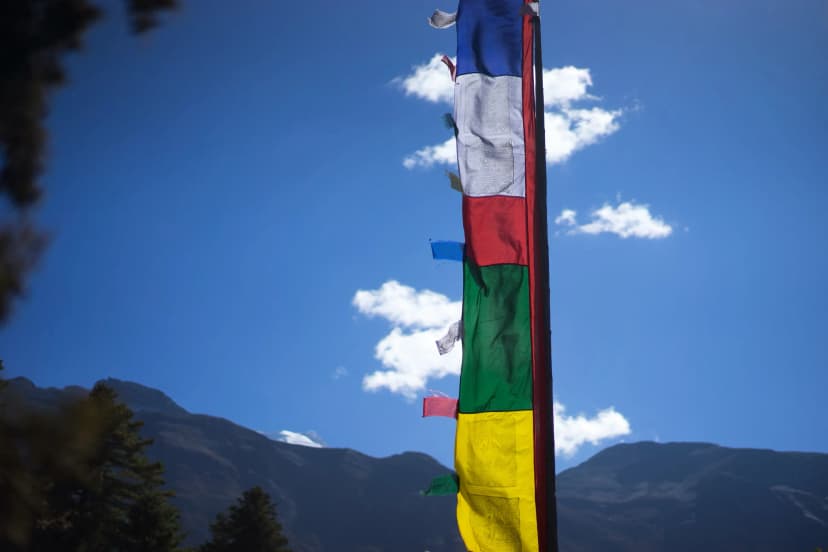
pixel 494 459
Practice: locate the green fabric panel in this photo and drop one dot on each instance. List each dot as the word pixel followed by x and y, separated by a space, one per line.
pixel 443 485
pixel 497 349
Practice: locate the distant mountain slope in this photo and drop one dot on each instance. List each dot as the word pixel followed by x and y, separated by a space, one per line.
pixel 638 497
pixel 327 499
pixel 695 496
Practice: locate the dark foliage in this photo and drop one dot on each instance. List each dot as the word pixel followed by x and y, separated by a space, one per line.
pixel 20 246
pixel 78 479
pixel 39 452
pixel 34 36
pixel 154 524
pixel 248 526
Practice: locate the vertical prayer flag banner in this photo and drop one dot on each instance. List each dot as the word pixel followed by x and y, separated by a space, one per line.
pixel 504 446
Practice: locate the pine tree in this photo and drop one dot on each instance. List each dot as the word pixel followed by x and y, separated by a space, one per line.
pixel 118 503
pixel 38 451
pixel 250 525
pixel 153 524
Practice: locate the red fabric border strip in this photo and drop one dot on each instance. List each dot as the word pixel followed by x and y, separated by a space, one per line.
pixel 495 230
pixel 539 292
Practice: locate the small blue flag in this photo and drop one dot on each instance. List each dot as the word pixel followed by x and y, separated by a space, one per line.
pixel 447 250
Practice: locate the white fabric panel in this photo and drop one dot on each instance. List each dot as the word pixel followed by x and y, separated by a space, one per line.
pixel 489 116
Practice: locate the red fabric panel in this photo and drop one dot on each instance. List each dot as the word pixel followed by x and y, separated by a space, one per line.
pixel 439 406
pixel 495 230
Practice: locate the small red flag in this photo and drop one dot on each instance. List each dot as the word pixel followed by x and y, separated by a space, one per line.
pixel 439 406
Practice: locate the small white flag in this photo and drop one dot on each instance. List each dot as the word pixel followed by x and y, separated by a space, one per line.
pixel 446 343
pixel 442 20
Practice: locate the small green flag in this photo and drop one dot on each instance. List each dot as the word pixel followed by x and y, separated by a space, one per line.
pixel 454 182
pixel 443 485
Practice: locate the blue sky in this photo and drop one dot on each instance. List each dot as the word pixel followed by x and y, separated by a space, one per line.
pixel 219 192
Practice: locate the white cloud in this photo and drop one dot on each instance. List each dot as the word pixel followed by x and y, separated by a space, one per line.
pixel 430 81
pixel 339 372
pixel 566 218
pixel 571 432
pixel 442 154
pixel 408 353
pixel 405 306
pixel 309 439
pixel 568 129
pixel 565 84
pixel 410 359
pixel 627 220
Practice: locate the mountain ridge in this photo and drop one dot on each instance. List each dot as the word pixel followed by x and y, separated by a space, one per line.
pixel 630 497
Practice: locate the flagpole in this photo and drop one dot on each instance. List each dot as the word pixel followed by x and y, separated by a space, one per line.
pixel 542 276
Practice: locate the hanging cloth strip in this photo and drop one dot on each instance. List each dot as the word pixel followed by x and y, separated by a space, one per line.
pixel 447 250
pixel 446 343
pixel 439 406
pixel 442 20
pixel 451 67
pixel 443 485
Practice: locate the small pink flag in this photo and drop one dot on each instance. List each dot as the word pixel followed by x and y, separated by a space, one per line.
pixel 439 406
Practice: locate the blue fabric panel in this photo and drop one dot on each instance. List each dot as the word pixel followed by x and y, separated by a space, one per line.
pixel 489 37
pixel 447 250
